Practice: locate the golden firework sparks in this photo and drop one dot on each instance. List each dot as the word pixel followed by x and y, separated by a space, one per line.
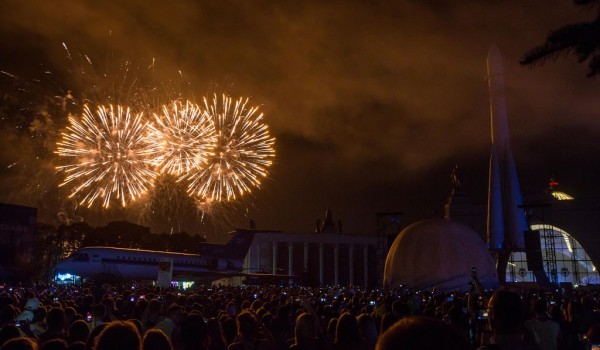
pixel 186 136
pixel 108 156
pixel 243 151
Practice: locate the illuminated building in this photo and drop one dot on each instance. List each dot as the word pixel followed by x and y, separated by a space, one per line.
pixel 553 190
pixel 323 257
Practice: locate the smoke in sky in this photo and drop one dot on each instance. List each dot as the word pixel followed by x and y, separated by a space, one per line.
pixel 372 103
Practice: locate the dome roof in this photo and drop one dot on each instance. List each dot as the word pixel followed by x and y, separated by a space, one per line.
pixel 438 253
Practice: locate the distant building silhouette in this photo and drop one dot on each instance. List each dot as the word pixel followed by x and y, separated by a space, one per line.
pixel 17 232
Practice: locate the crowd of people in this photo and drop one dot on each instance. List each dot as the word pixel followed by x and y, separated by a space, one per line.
pixel 117 316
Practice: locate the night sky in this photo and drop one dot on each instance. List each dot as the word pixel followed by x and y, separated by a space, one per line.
pixel 371 102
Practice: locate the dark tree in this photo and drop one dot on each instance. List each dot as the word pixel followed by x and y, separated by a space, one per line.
pixel 579 39
pixel 155 242
pixel 72 236
pixel 47 252
pixel 184 243
pixel 124 234
pixel 117 234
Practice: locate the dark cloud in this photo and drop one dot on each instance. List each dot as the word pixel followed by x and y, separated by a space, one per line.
pixel 372 103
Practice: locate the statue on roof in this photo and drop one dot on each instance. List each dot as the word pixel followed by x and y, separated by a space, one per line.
pixel 328 225
pixel 455 179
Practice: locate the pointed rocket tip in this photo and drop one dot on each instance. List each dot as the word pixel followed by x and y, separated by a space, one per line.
pixel 494 61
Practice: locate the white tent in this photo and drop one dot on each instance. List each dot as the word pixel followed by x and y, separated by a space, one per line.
pixel 438 253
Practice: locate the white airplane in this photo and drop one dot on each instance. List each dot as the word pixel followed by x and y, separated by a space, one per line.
pixel 214 261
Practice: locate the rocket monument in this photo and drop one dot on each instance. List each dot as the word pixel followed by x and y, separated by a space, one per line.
pixel 506 222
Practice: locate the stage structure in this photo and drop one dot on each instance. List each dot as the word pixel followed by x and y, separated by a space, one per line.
pixel 552 253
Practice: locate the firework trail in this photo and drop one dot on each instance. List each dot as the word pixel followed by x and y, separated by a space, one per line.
pixel 108 156
pixel 186 137
pixel 243 151
pixel 114 79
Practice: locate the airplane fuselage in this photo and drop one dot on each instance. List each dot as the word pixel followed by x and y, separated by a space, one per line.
pixel 142 264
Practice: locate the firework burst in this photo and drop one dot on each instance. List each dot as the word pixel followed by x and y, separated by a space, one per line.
pixel 108 155
pixel 186 137
pixel 243 151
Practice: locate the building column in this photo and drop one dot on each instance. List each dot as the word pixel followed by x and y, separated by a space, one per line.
pixel 336 264
pixel 290 257
pixel 274 257
pixel 351 264
pixel 366 265
pixel 247 260
pixel 253 257
pixel 321 251
pixel 305 256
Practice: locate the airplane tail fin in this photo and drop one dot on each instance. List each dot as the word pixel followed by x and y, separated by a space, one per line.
pixel 235 249
pixel 238 245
